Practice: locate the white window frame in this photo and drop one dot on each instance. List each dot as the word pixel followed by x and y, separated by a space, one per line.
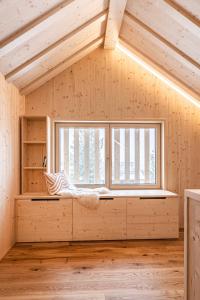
pixel 159 125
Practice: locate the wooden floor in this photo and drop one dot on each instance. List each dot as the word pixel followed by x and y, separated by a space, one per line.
pixel 127 270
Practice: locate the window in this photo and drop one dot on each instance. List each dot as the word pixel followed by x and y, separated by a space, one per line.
pixel 82 153
pixel 114 155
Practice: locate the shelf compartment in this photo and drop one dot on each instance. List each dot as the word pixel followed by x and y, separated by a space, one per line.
pixel 34 155
pixel 34 129
pixel 34 181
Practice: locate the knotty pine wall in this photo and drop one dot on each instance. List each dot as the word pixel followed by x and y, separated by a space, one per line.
pixel 107 85
pixel 11 107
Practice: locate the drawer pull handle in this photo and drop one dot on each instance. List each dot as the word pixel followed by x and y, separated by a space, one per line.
pixel 45 199
pixel 150 198
pixel 106 198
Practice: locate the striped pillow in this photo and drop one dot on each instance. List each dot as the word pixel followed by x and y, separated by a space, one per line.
pixel 56 182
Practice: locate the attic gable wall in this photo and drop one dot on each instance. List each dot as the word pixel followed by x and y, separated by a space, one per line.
pixel 107 85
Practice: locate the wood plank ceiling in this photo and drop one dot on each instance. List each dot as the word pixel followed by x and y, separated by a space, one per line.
pixel 39 39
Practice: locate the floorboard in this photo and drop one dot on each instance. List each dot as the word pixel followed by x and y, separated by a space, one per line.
pixel 121 270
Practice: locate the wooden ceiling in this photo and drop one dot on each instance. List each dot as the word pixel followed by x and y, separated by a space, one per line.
pixel 41 38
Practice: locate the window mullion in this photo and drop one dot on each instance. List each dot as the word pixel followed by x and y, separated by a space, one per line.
pixel 127 154
pixel 97 154
pixel 76 154
pixel 86 155
pixel 66 150
pixel 137 155
pixel 147 155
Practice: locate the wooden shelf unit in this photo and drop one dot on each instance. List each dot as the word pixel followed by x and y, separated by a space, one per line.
pixel 35 146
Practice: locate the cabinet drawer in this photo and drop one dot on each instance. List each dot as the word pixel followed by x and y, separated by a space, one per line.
pixel 152 218
pixel 43 220
pixel 107 222
pixel 153 206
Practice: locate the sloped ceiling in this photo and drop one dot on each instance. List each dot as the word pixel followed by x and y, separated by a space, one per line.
pixel 39 39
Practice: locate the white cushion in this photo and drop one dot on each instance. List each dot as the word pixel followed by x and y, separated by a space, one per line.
pixel 57 182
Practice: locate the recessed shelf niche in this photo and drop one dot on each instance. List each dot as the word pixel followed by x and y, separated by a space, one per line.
pixel 35 153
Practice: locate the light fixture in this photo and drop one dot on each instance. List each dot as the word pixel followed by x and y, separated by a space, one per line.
pixel 158 74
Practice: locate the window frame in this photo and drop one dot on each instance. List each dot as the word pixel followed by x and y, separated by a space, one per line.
pixel 142 124
pixel 59 125
pixel 160 163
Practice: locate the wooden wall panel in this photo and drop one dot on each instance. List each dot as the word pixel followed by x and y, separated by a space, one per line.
pixel 11 106
pixel 107 85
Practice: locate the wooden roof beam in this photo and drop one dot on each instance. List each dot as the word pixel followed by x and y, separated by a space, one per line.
pixel 129 18
pixel 23 68
pixel 35 27
pixel 62 66
pixel 182 88
pixel 183 12
pixel 115 17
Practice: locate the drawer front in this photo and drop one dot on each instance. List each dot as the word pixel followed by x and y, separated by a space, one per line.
pixel 152 218
pixel 107 222
pixel 43 220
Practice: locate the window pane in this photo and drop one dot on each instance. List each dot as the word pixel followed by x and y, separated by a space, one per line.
pixel 82 154
pixel 134 156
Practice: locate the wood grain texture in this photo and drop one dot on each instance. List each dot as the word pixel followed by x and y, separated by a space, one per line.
pixel 62 66
pixel 20 13
pixel 35 148
pixel 107 85
pixel 59 219
pixel 43 220
pixel 192 248
pixel 11 106
pixel 152 218
pixel 63 52
pixel 142 270
pixel 149 12
pixel 107 222
pixel 192 7
pixel 114 21
pixel 78 13
pixel 166 57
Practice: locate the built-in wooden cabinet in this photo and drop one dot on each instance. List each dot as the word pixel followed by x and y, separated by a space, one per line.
pixel 192 245
pixel 107 222
pixel 116 218
pixel 35 150
pixel 44 220
pixel 150 218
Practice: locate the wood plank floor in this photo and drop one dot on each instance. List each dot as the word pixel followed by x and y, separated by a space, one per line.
pixel 125 270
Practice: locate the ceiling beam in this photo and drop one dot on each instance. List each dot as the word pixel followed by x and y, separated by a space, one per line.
pixel 62 66
pixel 115 17
pixel 183 11
pixel 34 27
pixel 147 60
pixel 129 18
pixel 26 66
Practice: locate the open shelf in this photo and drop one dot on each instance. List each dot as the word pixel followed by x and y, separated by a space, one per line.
pixel 34 153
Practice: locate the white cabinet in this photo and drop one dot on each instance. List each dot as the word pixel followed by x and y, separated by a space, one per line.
pixel 149 218
pixel 43 220
pixel 107 222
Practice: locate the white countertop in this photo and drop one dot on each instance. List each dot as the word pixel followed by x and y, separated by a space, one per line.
pixel 194 194
pixel 112 193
